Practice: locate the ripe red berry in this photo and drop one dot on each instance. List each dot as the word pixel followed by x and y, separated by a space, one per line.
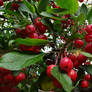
pixel 20 77
pixel 88 48
pixel 30 29
pixel 81 58
pixel 78 43
pixel 66 64
pixel 8 77
pixel 1 2
pixel 72 74
pixel 89 28
pixel 15 6
pixel 84 84
pixel 43 37
pixel 49 68
pixel 34 36
pixel 18 31
pixel 72 57
pixel 38 21
pixel 76 64
pixel 81 0
pixel 87 77
pixel 14 90
pixel 56 83
pixel 88 37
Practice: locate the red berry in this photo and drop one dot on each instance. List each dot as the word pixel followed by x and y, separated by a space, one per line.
pixel 20 77
pixel 15 6
pixel 87 63
pixel 66 64
pixel 84 84
pixel 30 29
pixel 56 83
pixel 89 28
pixel 8 77
pixel 87 77
pixel 72 74
pixel 43 37
pixel 14 90
pixel 81 0
pixel 88 37
pixel 78 43
pixel 81 58
pixel 34 36
pixel 49 68
pixel 18 31
pixel 76 64
pixel 1 2
pixel 72 57
pixel 38 21
pixel 88 48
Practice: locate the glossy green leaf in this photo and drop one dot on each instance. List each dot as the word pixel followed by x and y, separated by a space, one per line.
pixel 86 54
pixel 45 14
pixel 16 60
pixel 83 9
pixel 64 79
pixel 42 5
pixel 29 6
pixel 89 17
pixel 71 5
pixel 56 10
pixel 31 42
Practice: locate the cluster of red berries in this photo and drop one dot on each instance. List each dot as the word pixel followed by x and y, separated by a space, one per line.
pixel 85 82
pixel 8 82
pixel 65 65
pixel 66 23
pixel 35 31
pixel 77 60
pixel 88 39
pixel 14 5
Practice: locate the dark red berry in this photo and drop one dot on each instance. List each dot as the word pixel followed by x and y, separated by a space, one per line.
pixel 38 22
pixel 81 58
pixel 18 31
pixel 20 77
pixel 87 77
pixel 89 28
pixel 34 36
pixel 30 29
pixel 15 6
pixel 88 37
pixel 1 2
pixel 81 0
pixel 66 64
pixel 72 57
pixel 49 68
pixel 8 77
pixel 88 48
pixel 43 37
pixel 56 83
pixel 84 84
pixel 78 43
pixel 72 74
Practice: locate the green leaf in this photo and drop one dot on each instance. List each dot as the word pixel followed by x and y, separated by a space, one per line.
pixel 29 6
pixel 64 79
pixel 89 17
pixel 81 17
pixel 84 9
pixel 86 54
pixel 16 60
pixel 31 42
pixel 45 14
pixel 42 5
pixel 87 68
pixel 56 10
pixel 24 8
pixel 70 5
